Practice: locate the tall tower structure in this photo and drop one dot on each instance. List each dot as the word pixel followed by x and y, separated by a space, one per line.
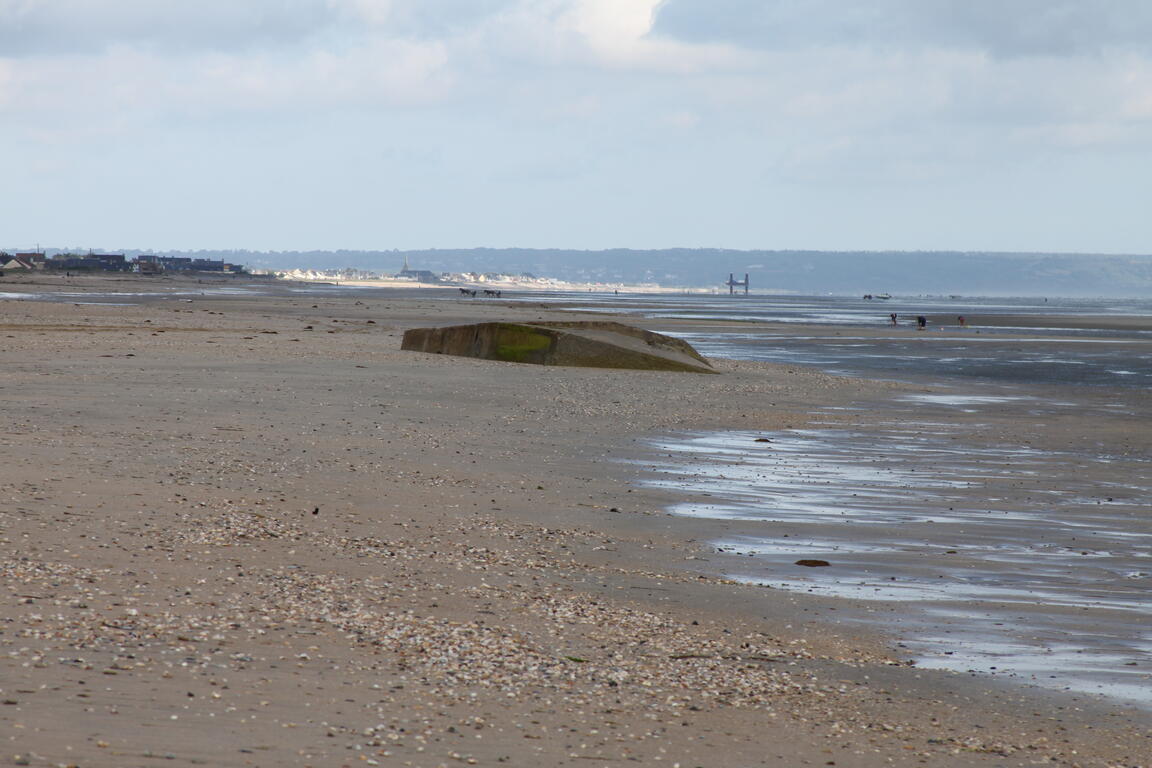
pixel 733 284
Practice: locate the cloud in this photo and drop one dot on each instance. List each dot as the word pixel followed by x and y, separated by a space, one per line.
pixel 424 18
pixel 168 56
pixel 1016 28
pixel 125 82
pixel 613 25
pixel 67 27
pixel 618 33
pixel 64 27
pixel 791 92
pixel 370 11
pixel 7 88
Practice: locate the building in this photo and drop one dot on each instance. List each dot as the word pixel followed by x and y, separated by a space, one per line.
pixel 35 259
pixel 419 275
pixel 151 264
pixel 92 262
pixel 15 263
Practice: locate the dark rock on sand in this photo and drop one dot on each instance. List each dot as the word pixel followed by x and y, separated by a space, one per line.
pixel 583 344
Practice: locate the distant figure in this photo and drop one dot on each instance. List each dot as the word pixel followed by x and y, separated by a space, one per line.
pixel 921 322
pixel 961 321
pixel 892 317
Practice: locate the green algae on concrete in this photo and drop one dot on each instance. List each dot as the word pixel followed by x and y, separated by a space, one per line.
pixel 520 343
pixel 582 344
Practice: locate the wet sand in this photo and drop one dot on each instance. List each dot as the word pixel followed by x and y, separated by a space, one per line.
pixel 981 551
pixel 252 531
pixel 1050 322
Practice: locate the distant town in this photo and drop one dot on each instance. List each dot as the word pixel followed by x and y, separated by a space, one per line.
pixel 149 264
pixel 496 280
pixel 146 264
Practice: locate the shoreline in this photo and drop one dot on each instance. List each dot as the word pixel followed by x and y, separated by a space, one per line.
pixel 975 589
pixel 556 286
pixel 938 319
pixel 482 498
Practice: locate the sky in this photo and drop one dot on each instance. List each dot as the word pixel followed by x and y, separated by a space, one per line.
pixel 992 125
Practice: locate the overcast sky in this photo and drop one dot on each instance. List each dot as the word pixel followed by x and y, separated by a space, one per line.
pixel 822 124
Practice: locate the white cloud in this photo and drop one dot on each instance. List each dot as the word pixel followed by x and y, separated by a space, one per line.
pixel 618 33
pixel 127 65
pixel 372 11
pixel 1015 28
pixel 615 27
pixel 125 83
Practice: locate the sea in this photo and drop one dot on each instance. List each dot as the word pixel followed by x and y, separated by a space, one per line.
pixel 986 549
pixel 1041 351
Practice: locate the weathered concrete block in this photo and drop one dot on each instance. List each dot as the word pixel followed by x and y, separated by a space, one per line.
pixel 584 344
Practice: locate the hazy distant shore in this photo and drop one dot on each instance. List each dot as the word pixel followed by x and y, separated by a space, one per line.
pixel 248 528
pixel 130 283
pixel 534 286
pixel 792 271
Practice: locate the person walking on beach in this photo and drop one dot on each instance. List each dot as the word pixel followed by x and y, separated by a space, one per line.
pixel 962 321
pixel 892 317
pixel 921 322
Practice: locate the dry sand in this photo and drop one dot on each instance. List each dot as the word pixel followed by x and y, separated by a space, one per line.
pixel 253 532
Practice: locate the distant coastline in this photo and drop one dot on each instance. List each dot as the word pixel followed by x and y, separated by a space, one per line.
pixel 773 272
pixel 508 283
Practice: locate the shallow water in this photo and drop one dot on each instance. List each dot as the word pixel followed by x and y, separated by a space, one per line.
pixel 1004 359
pixel 838 310
pixel 981 554
pixel 764 328
pixel 124 298
pixel 997 564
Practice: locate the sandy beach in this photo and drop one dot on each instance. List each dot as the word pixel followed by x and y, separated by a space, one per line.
pixel 251 531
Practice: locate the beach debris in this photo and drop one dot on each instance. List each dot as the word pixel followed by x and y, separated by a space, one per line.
pixel 593 344
pixel 316 511
pixel 813 563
